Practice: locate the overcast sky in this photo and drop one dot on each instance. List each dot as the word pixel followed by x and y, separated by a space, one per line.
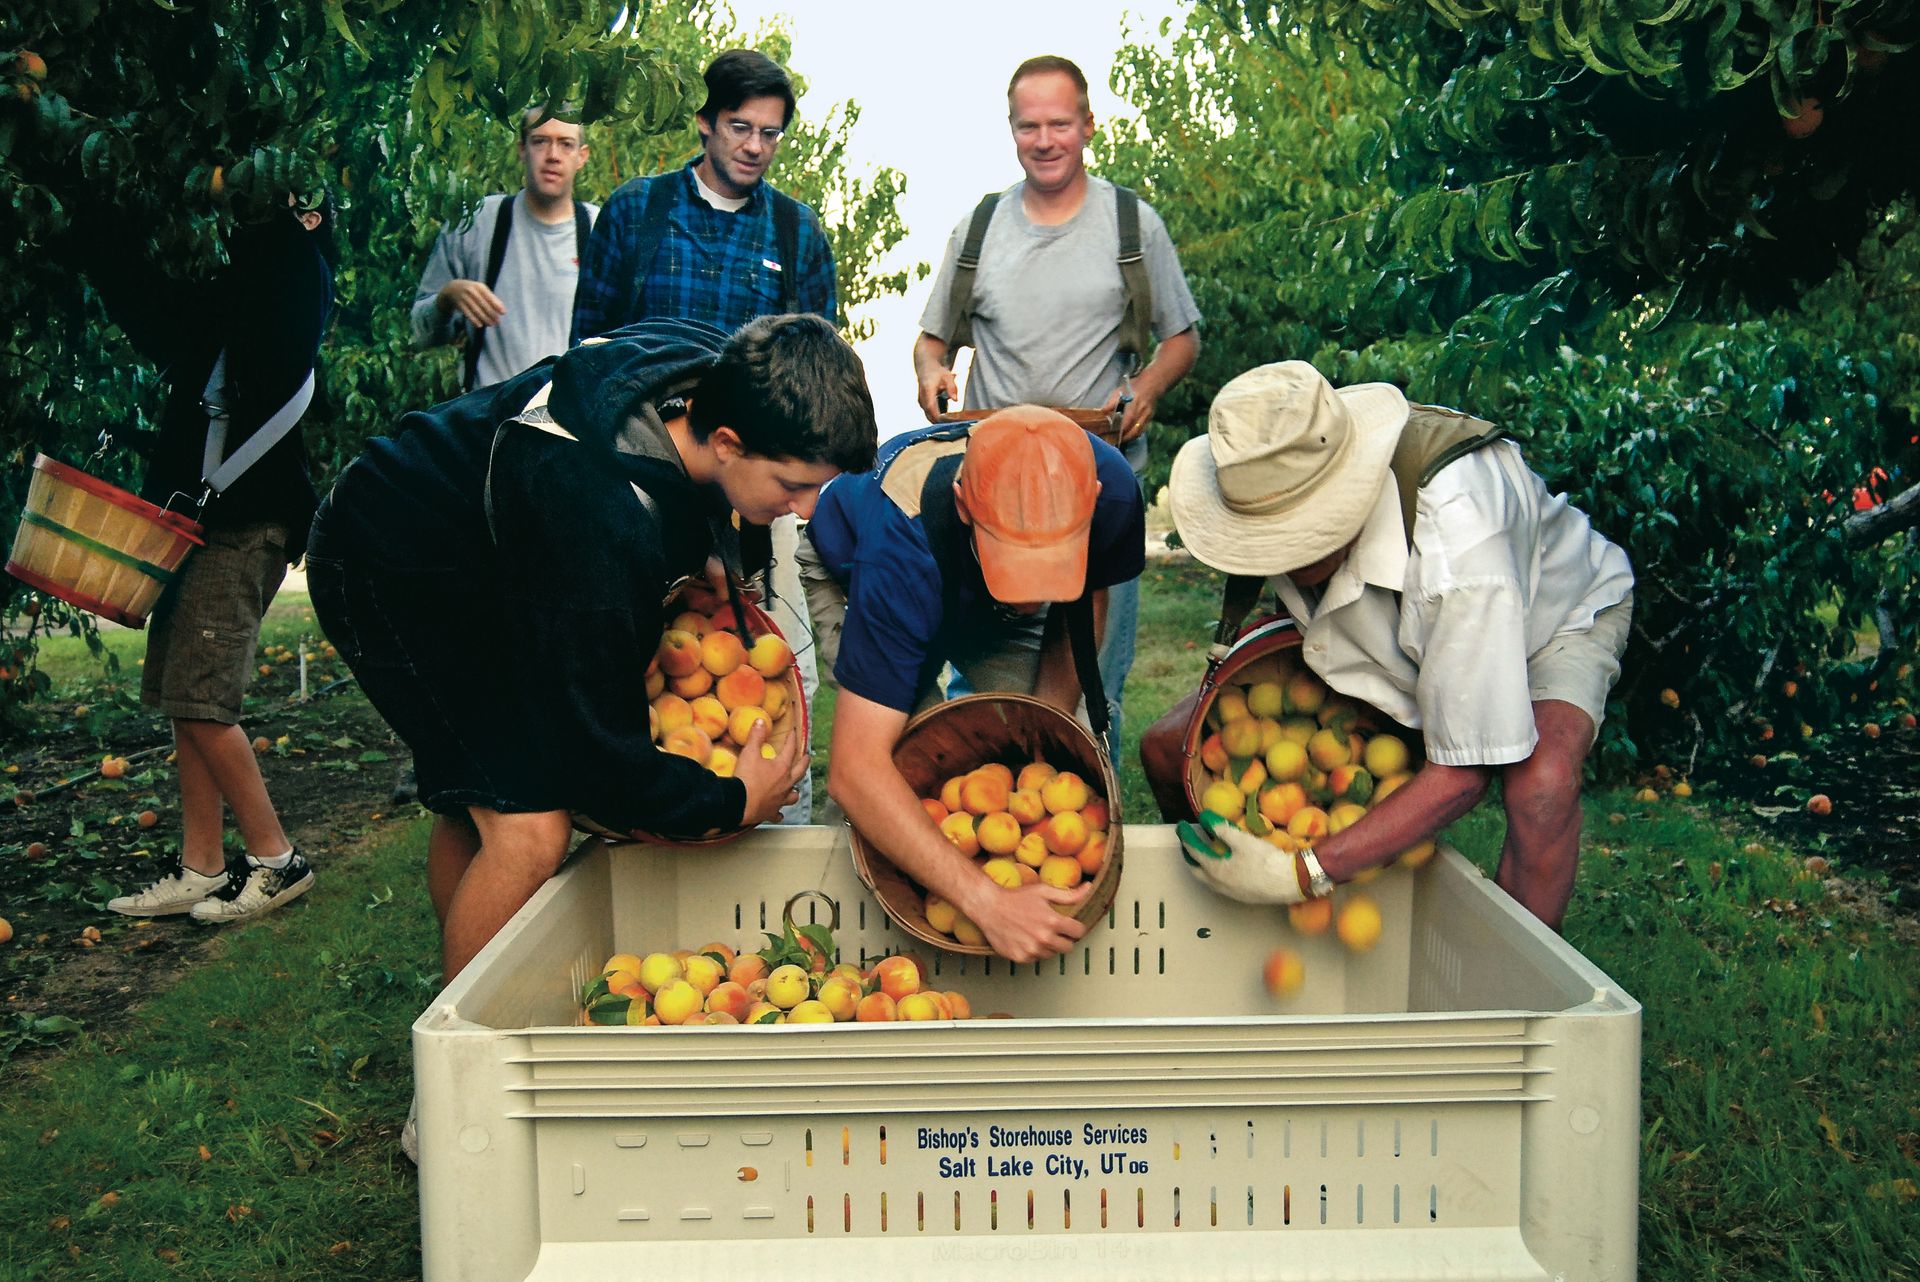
pixel 931 84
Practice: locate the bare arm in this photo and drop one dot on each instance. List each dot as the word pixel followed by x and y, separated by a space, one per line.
pixel 931 374
pixel 1431 800
pixel 1021 925
pixel 1172 360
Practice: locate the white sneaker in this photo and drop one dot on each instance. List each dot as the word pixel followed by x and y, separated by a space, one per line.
pixel 171 895
pixel 410 1133
pixel 264 890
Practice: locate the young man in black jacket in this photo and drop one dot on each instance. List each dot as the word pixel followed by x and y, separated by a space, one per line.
pixel 494 574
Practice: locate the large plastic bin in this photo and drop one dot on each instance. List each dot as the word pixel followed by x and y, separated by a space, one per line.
pixel 1461 1102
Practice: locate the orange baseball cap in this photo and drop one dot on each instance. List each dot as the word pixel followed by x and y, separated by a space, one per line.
pixel 1029 485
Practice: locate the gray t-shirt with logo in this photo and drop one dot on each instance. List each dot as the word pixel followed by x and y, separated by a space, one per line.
pixel 537 280
pixel 1047 301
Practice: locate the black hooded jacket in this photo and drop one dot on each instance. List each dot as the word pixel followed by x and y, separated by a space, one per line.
pixel 568 565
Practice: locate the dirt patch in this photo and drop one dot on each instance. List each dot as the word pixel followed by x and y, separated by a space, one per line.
pixel 70 838
pixel 1873 784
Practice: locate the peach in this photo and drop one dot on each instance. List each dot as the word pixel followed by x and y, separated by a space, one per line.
pixel 1026 807
pixel 691 621
pixel 679 652
pixel 1311 916
pixel 1344 816
pixel 723 761
pixel 764 1013
pixel 622 961
pixel 1356 746
pixel 958 828
pixel 1033 776
pixel 917 1007
pixel 709 716
pixel 677 1001
pixel 717 1017
pixel 623 983
pixel 688 742
pixel 1029 875
pixel 810 1012
pixel 656 680
pixel 721 653
pixel 1305 693
pixel 741 688
pixel 1092 855
pixel 935 811
pixel 959 1005
pixel 1328 748
pixel 940 914
pixel 703 972
pixel 1284 972
pixel 967 933
pixel 840 996
pixel 941 1003
pixel 1096 814
pixel 896 976
pixel 1003 872
pixel 1266 699
pixel 1385 755
pixel 775 699
pixel 1213 754
pixel 770 655
pixel 1269 734
pixel 1414 856
pixel 730 998
pixel 1240 738
pixel 693 685
pixel 1252 777
pixel 674 711
pixel 1060 870
pixel 1065 791
pixel 1309 823
pixel 653 724
pixel 1229 705
pixel 998 833
pixel 1358 924
pixel 740 725
pixel 950 793
pixel 1286 760
pixel 1032 850
pixel 1065 833
pixel 788 986
pixel 1390 785
pixel 746 968
pixel 984 792
pixel 658 970
pixel 1281 802
pixel 876 1008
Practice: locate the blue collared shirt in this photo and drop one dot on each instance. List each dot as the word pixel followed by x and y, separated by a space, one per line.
pixel 711 265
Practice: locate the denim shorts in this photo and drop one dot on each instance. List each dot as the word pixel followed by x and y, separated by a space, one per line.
pixel 418 645
pixel 200 649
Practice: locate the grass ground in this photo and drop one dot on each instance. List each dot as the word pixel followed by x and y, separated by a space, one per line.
pixel 242 1123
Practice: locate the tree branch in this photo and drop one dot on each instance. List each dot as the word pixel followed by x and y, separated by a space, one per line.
pixel 1901 512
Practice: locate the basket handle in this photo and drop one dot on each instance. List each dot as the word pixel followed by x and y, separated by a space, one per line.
pixel 833 907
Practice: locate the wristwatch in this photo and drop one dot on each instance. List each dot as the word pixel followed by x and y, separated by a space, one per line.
pixel 1313 878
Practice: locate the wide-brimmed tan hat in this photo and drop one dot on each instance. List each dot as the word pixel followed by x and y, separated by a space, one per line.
pixel 1289 470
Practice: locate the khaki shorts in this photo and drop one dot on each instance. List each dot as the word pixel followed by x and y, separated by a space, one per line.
pixel 204 630
pixel 1581 667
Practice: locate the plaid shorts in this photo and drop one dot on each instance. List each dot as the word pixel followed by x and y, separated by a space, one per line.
pixel 204 630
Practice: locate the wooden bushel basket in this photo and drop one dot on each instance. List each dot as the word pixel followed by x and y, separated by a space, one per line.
pixel 691 595
pixel 957 736
pixel 95 546
pixel 1264 638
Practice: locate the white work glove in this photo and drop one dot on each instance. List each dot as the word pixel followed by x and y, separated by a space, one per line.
pixel 1251 870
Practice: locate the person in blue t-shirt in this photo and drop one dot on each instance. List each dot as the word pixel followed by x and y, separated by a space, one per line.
pixel 959 535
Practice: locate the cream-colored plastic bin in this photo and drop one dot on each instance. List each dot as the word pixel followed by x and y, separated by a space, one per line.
pixel 1462 1102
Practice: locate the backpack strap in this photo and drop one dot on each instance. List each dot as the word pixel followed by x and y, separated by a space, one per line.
pixel 1086 663
pixel 646 246
pixel 582 231
pixel 1433 437
pixel 960 293
pixel 496 258
pixel 1136 313
pixel 786 239
pixel 1237 601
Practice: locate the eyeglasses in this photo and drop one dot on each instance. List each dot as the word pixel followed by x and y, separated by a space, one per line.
pixel 740 131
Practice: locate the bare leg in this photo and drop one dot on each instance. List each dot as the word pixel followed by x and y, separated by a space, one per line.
pixel 1542 849
pixel 223 756
pixel 202 813
pixel 516 856
pixel 1163 759
pixel 450 851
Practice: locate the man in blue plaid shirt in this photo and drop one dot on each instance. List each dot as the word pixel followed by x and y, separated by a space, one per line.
pixel 711 241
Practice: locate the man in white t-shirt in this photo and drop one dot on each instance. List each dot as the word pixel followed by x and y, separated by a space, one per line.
pixel 1048 303
pixel 1494 626
pixel 503 279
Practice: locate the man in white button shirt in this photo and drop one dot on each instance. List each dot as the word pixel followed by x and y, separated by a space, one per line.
pixel 1494 626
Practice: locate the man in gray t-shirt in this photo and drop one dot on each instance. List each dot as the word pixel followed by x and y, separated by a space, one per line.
pixel 1048 303
pixel 522 316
